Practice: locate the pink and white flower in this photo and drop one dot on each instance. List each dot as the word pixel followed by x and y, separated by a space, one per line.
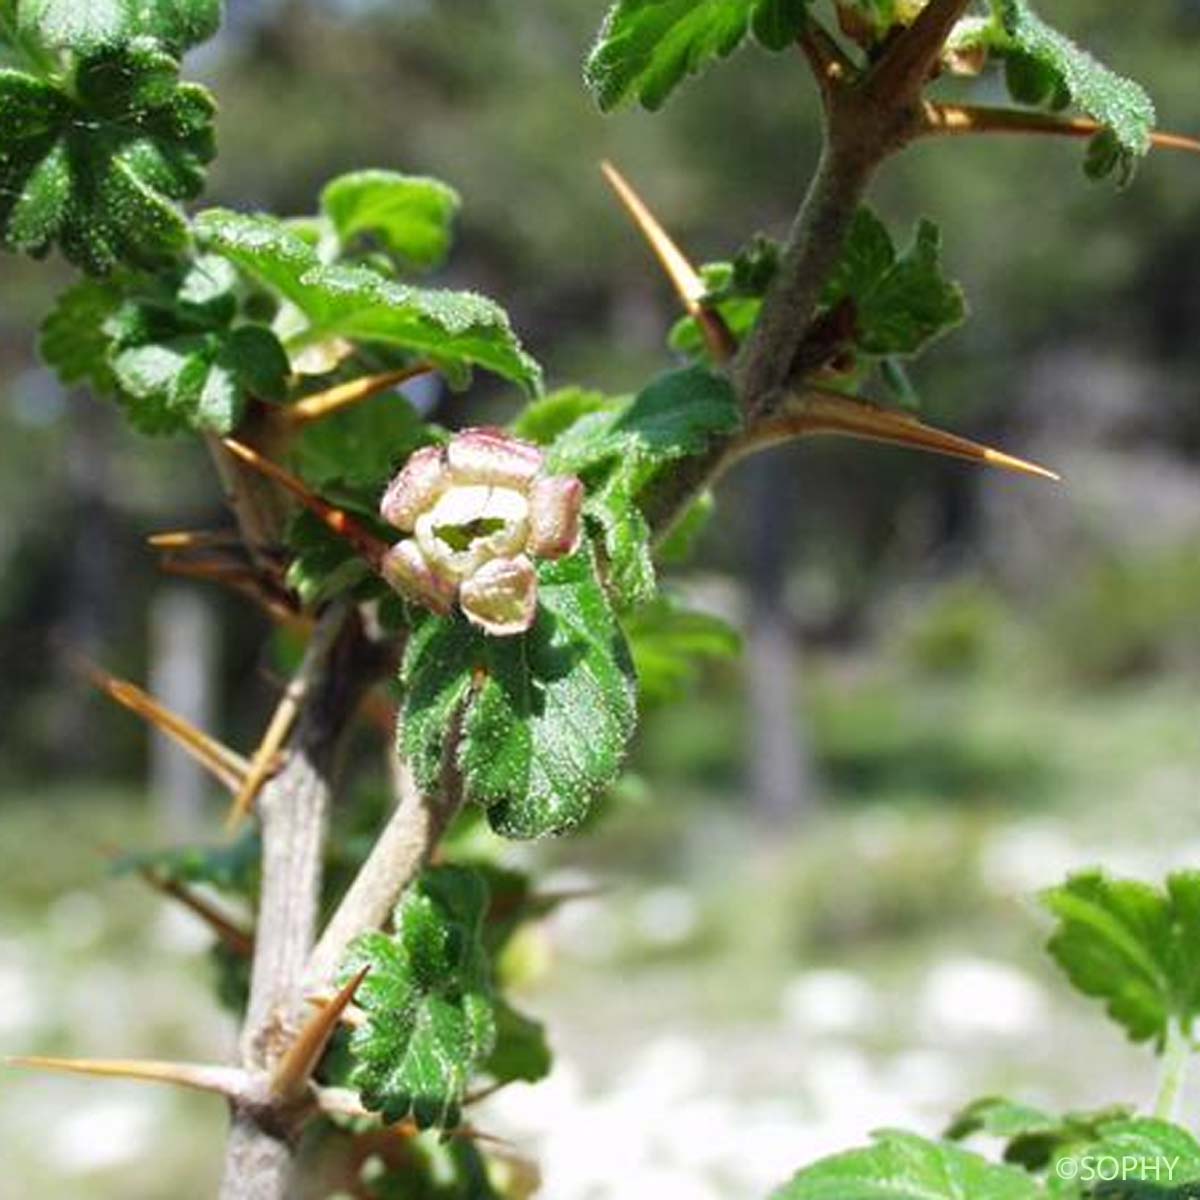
pixel 479 510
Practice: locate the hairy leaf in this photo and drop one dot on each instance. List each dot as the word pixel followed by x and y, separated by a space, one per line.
pixel 1133 946
pixel 543 718
pixel 360 447
pixel 73 341
pixel 901 303
pixel 901 1166
pixel 179 361
pixel 430 1013
pixel 544 419
pixel 619 448
pixel 646 48
pixel 457 328
pixel 88 25
pixel 1052 69
pixel 410 216
pixel 94 164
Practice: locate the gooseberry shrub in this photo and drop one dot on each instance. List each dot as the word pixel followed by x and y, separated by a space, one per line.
pixel 503 586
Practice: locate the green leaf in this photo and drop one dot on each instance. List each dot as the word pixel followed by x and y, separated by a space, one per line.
pixel 619 448
pixel 95 165
pixel 430 1014
pixel 1035 1139
pixel 1119 104
pixel 411 216
pixel 360 447
pixel 88 25
pixel 625 534
pixel 1133 946
pixel 324 565
pixel 177 361
pixel 521 1051
pixel 669 643
pixel 543 718
pixel 73 341
pixel 543 420
pixel 646 48
pixel 901 303
pixel 1157 1160
pixel 456 328
pixel 901 1166
pixel 677 415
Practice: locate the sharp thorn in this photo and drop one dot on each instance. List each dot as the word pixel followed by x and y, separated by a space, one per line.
pixel 345 526
pixel 224 1081
pixel 821 411
pixel 226 764
pixel 238 940
pixel 197 539
pixel 290 1078
pixel 683 276
pixel 344 395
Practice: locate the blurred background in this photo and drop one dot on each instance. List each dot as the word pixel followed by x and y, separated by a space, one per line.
pixel 814 914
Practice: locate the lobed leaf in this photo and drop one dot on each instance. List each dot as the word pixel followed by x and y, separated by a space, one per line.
pixel 355 302
pixel 73 342
pixel 410 216
pixel 902 1166
pixel 542 720
pixel 646 48
pixel 428 1002
pixel 88 25
pixel 521 1051
pixel 95 163
pixel 901 302
pixel 1052 69
pixel 1133 946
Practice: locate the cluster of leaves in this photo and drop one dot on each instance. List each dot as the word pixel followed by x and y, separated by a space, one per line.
pixel 879 306
pixel 1130 944
pixel 647 48
pixel 434 1020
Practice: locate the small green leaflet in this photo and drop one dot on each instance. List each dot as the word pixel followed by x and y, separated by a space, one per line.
pixel 618 449
pixel 668 643
pixel 360 447
pixel 1035 1139
pixel 543 719
pixel 1119 104
pixel 95 165
pixel 428 1000
pixel 1159 1161
pixel 521 1051
pixel 87 25
pixel 73 341
pixel 902 1166
pixel 901 302
pixel 545 419
pixel 179 362
pixel 646 48
pixel 1133 946
pixel 457 328
pixel 410 216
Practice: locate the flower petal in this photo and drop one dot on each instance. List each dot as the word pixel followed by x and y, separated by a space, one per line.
pixel 418 485
pixel 501 597
pixel 492 456
pixel 555 502
pixel 406 571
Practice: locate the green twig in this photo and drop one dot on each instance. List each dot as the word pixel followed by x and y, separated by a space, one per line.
pixel 1174 1071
